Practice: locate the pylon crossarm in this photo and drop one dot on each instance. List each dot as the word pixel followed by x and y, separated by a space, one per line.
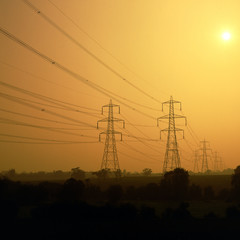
pixel 163 117
pixel 180 130
pixel 102 120
pixel 117 119
pixel 111 105
pixel 180 116
pixel 100 136
pixel 179 103
pixel 163 130
pixel 172 101
pixel 167 102
pixel 115 132
pixel 164 103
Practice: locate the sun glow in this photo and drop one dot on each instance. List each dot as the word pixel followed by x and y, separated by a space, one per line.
pixel 226 36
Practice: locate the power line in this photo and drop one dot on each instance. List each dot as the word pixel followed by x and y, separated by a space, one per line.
pixel 138 151
pixel 26 102
pixel 14 122
pixel 71 73
pixel 41 139
pixel 24 142
pixel 39 118
pixel 134 158
pixel 138 138
pixel 193 132
pixel 46 80
pixel 51 22
pixel 119 96
pixel 96 42
pixel 49 112
pixel 47 99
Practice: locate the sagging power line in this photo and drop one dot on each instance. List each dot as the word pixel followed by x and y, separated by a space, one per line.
pixel 71 73
pixel 61 30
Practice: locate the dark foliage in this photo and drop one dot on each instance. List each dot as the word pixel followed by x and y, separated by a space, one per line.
pixel 114 193
pixel 175 184
pixel 82 210
pixel 208 193
pixel 236 183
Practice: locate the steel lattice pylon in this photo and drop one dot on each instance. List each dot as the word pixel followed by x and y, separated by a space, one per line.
pixel 110 157
pixel 172 157
pixel 204 155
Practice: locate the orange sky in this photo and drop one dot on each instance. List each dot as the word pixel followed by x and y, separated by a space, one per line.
pixel 176 48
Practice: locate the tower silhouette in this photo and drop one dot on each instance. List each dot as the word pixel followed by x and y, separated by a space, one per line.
pixel 110 157
pixel 218 163
pixel 172 157
pixel 204 156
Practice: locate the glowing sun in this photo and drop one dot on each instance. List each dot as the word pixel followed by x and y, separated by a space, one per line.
pixel 226 36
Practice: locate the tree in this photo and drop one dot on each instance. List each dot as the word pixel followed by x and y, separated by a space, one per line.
pixel 103 173
pixel 72 190
pixel 118 173
pixel 77 173
pixel 147 171
pixel 236 183
pixel 236 178
pixel 11 173
pixel 175 184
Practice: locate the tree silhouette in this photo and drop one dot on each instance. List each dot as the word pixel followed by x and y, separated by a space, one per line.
pixel 236 178
pixel 72 190
pixel 147 171
pixel 175 184
pixel 236 183
pixel 77 173
pixel 103 173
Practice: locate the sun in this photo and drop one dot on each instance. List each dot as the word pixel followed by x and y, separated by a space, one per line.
pixel 226 36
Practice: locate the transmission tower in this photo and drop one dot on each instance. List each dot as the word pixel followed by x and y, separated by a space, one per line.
pixel 172 157
pixel 204 156
pixel 218 163
pixel 110 157
pixel 196 160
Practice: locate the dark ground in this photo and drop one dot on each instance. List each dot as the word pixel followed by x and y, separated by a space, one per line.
pixel 126 208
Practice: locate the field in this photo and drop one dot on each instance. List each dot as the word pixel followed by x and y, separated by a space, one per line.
pixel 218 182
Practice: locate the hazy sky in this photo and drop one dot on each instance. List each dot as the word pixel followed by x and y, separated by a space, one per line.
pixel 163 47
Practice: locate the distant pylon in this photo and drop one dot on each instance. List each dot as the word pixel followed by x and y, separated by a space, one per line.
pixel 172 157
pixel 218 164
pixel 196 160
pixel 204 156
pixel 110 157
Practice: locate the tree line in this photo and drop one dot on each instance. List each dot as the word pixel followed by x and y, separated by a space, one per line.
pixel 51 210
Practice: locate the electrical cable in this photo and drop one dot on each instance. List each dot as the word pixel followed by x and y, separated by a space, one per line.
pixel 14 122
pixel 97 43
pixel 41 139
pixel 24 142
pixel 39 118
pixel 71 73
pixel 51 22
